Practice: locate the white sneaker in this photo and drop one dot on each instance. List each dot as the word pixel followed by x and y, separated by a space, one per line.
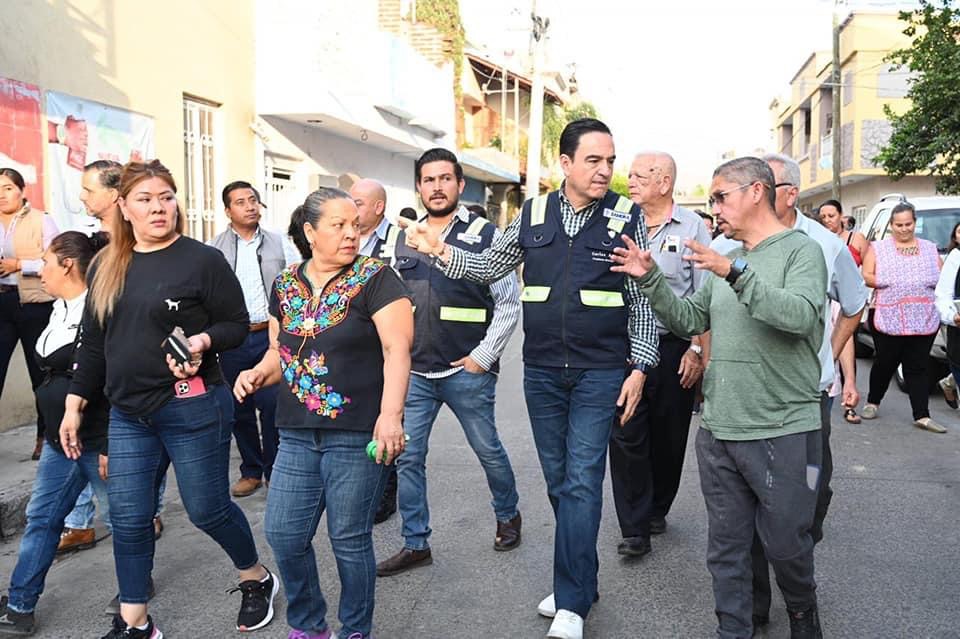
pixel 547 607
pixel 566 625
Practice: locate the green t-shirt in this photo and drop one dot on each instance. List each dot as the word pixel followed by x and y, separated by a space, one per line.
pixel 763 375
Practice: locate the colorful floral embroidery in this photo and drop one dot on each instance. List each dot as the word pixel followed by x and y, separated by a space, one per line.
pixel 306 315
pixel 303 377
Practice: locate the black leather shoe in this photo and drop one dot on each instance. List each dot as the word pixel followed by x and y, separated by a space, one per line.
pixel 508 534
pixel 805 624
pixel 658 525
pixel 403 561
pixel 635 547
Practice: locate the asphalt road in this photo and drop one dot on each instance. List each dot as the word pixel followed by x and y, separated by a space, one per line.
pixel 888 567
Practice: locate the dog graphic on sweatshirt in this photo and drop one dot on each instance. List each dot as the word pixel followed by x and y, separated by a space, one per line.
pixel 172 305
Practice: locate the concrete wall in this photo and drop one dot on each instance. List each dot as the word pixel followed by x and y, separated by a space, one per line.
pixel 868 192
pixel 316 154
pixel 144 58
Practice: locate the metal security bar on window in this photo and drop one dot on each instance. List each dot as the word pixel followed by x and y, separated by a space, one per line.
pixel 199 166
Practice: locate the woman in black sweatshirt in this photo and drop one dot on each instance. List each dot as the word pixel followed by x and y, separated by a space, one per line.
pixel 148 281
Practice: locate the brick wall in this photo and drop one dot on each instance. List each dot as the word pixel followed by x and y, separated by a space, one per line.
pixel 428 41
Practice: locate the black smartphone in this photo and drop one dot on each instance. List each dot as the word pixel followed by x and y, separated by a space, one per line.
pixel 176 346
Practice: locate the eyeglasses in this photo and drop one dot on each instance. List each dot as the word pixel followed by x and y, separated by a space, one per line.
pixel 779 184
pixel 718 197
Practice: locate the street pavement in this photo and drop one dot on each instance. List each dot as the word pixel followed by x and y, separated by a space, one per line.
pixel 889 565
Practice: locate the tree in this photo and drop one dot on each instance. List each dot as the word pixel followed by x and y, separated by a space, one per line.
pixel 927 136
pixel 555 119
pixel 619 183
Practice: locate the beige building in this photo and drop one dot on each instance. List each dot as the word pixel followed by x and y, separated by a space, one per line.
pixel 188 65
pixel 804 127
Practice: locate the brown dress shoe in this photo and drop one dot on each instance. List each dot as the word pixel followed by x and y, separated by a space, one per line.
pixel 508 534
pixel 245 486
pixel 72 539
pixel 403 561
pixel 157 527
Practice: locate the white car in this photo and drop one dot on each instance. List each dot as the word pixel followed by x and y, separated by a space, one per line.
pixel 936 217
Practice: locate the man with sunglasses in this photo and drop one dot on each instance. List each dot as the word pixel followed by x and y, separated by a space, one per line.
pixel 845 286
pixel 759 448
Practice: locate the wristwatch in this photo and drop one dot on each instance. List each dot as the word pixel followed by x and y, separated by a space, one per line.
pixel 697 349
pixel 643 368
pixel 737 268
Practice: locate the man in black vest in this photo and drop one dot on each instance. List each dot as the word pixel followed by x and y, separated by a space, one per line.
pixel 461 331
pixel 377 239
pixel 257 256
pixel 582 324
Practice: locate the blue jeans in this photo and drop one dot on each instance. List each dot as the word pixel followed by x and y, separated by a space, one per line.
pixel 471 398
pixel 83 511
pixel 195 435
pixel 58 482
pixel 319 470
pixel 571 412
pixel 257 446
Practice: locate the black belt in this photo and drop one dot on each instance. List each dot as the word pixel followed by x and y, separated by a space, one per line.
pixel 8 288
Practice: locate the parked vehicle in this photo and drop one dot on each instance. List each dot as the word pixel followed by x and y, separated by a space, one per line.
pixel 936 217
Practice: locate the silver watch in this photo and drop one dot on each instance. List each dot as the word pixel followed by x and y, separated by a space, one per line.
pixel 697 349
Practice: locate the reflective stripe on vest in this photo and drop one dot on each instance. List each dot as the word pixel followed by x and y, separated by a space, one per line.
pixel 476 226
pixel 460 314
pixel 538 210
pixel 623 205
pixel 389 249
pixel 606 299
pixel 535 294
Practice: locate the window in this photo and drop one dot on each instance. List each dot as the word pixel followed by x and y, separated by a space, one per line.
pixel 859 212
pixel 279 196
pixel 199 166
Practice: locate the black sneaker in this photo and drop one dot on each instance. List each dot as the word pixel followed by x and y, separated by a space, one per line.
pixel 13 623
pixel 121 631
pixel 113 608
pixel 805 624
pixel 256 608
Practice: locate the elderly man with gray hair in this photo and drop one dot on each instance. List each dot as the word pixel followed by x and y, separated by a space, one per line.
pixel 759 448
pixel 646 453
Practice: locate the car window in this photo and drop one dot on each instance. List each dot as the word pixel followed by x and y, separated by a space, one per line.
pixel 933 225
pixel 876 229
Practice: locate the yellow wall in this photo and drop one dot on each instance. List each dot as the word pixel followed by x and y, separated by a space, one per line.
pixel 864 43
pixel 144 57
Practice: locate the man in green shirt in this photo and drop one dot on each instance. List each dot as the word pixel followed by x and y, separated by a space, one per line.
pixel 759 448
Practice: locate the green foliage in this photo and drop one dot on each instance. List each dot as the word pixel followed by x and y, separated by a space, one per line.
pixel 927 136
pixel 444 16
pixel 555 118
pixel 619 184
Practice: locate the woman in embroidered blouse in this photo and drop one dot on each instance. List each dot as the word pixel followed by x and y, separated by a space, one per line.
pixel 59 479
pixel 341 329
pixel 903 270
pixel 25 233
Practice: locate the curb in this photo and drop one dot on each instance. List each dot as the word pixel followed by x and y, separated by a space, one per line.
pixel 13 508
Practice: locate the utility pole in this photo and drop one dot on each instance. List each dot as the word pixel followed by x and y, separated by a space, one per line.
pixel 503 107
pixel 535 131
pixel 837 147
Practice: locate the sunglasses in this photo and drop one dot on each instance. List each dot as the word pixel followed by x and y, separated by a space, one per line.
pixel 718 197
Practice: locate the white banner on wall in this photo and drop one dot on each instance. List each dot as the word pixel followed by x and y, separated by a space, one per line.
pixel 80 131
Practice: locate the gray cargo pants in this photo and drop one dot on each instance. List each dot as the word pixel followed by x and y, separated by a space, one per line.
pixel 767 485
